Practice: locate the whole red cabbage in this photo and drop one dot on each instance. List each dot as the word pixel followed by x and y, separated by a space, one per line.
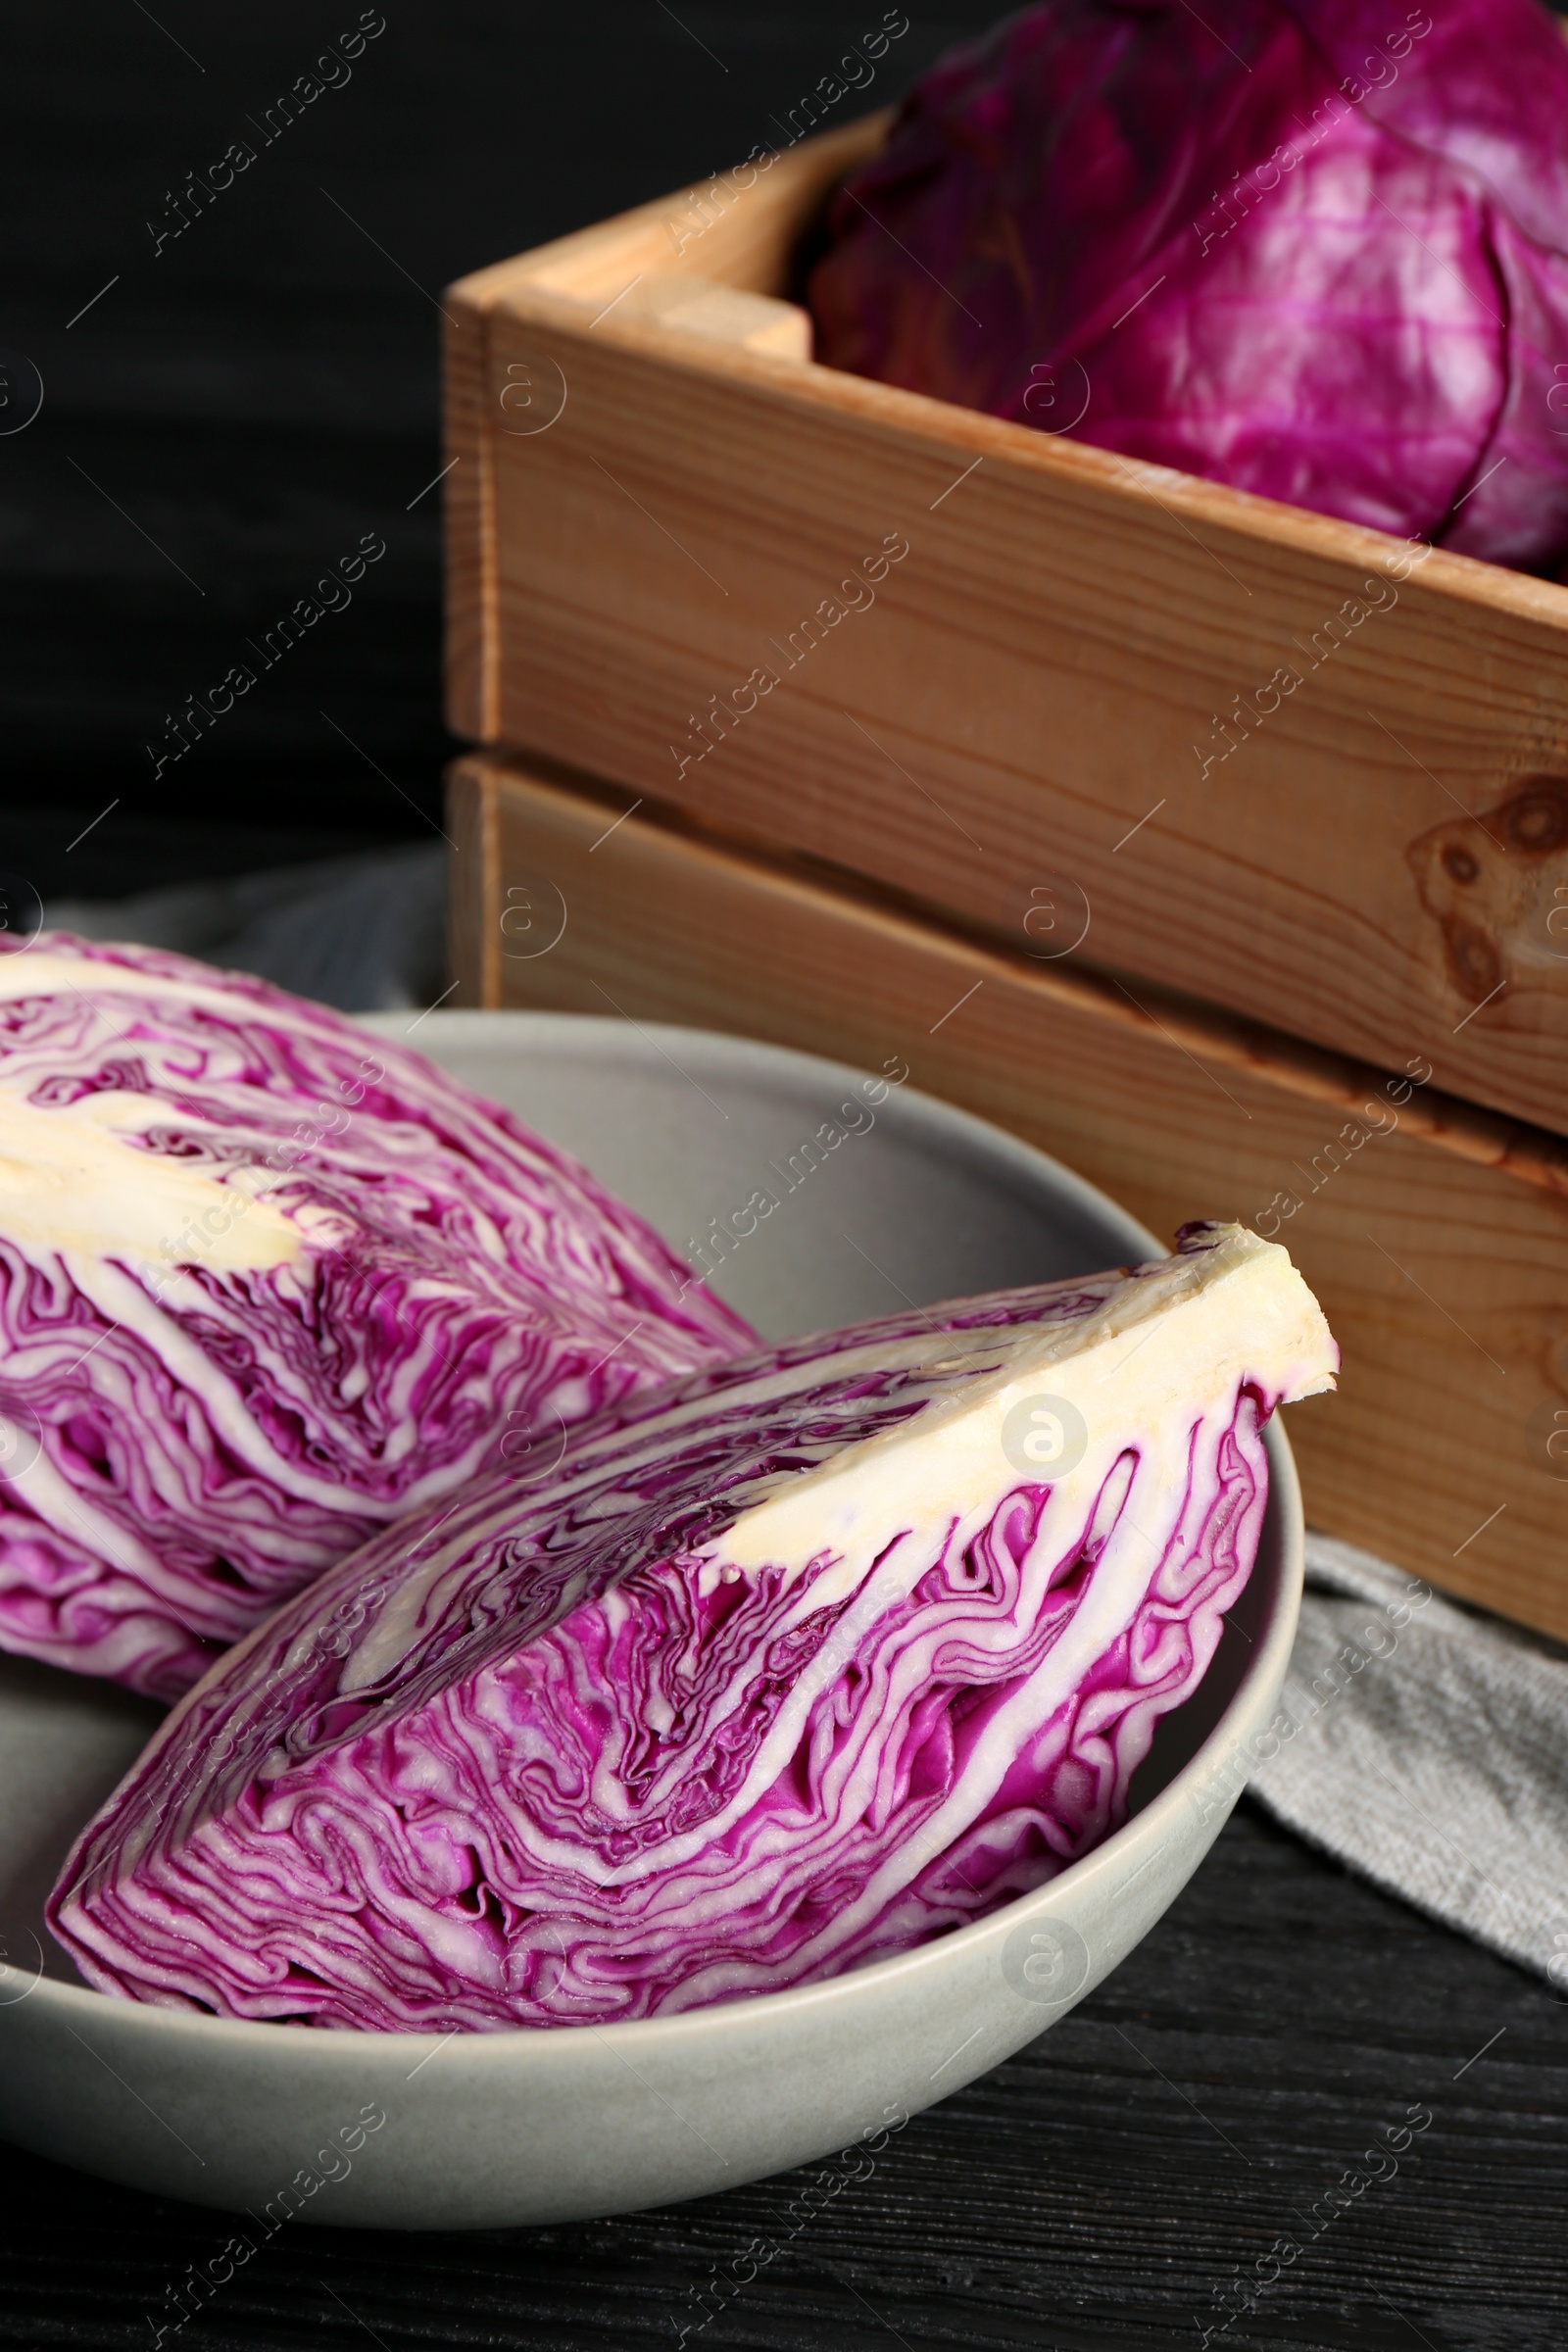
pixel 795 1663
pixel 1317 249
pixel 267 1283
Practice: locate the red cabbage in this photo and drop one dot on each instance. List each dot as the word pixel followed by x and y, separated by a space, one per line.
pixel 265 1284
pixel 794 1664
pixel 1318 252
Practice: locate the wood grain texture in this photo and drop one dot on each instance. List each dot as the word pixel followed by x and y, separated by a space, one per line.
pixel 473 937
pixel 1098 2194
pixel 704 232
pixel 470 649
pixel 1076 670
pixel 1435 1234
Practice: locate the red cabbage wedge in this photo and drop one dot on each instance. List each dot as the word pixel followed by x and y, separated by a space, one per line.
pixel 1317 249
pixel 267 1283
pixel 794 1664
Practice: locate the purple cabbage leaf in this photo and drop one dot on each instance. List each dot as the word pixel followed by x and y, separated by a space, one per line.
pixel 792 1665
pixel 265 1284
pixel 1315 251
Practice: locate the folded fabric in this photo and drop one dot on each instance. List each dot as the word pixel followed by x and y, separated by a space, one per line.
pixel 1425 1746
pixel 365 933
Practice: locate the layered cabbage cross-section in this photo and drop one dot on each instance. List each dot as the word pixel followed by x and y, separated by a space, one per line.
pixel 267 1283
pixel 1317 250
pixel 795 1664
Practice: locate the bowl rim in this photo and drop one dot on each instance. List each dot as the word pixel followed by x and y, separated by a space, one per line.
pixel 1263 1670
pixel 600 1032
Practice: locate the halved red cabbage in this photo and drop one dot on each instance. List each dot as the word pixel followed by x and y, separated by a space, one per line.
pixel 795 1664
pixel 267 1283
pixel 1317 249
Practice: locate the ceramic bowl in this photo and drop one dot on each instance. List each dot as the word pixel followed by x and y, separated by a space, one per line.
pixel 486 2130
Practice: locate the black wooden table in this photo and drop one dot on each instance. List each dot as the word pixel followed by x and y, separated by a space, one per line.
pixel 1298 2116
pixel 220 416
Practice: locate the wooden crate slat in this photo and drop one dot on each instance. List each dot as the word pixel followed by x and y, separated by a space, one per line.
pixel 1439 1249
pixel 1039 674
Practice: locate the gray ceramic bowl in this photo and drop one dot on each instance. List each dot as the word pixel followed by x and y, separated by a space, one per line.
pixel 485 2130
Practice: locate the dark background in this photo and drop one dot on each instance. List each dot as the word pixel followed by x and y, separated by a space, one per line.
pixel 255 399
pixel 264 389
pixel 1098 2194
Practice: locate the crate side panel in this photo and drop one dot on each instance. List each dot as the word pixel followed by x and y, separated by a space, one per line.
pixel 1445 1279
pixel 1268 763
pixel 472 656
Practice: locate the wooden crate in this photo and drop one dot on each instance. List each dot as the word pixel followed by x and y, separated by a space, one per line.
pixel 1435 1234
pixel 1055 703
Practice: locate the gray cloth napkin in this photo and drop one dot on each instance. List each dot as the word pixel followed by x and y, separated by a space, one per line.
pixel 1421 1743
pixel 367 934
pixel 1426 1745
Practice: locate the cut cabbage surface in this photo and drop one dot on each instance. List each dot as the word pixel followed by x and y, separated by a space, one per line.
pixel 1314 249
pixel 267 1283
pixel 792 1665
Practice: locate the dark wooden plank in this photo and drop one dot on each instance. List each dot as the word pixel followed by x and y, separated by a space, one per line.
pixel 1096 2194
pixel 267 382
